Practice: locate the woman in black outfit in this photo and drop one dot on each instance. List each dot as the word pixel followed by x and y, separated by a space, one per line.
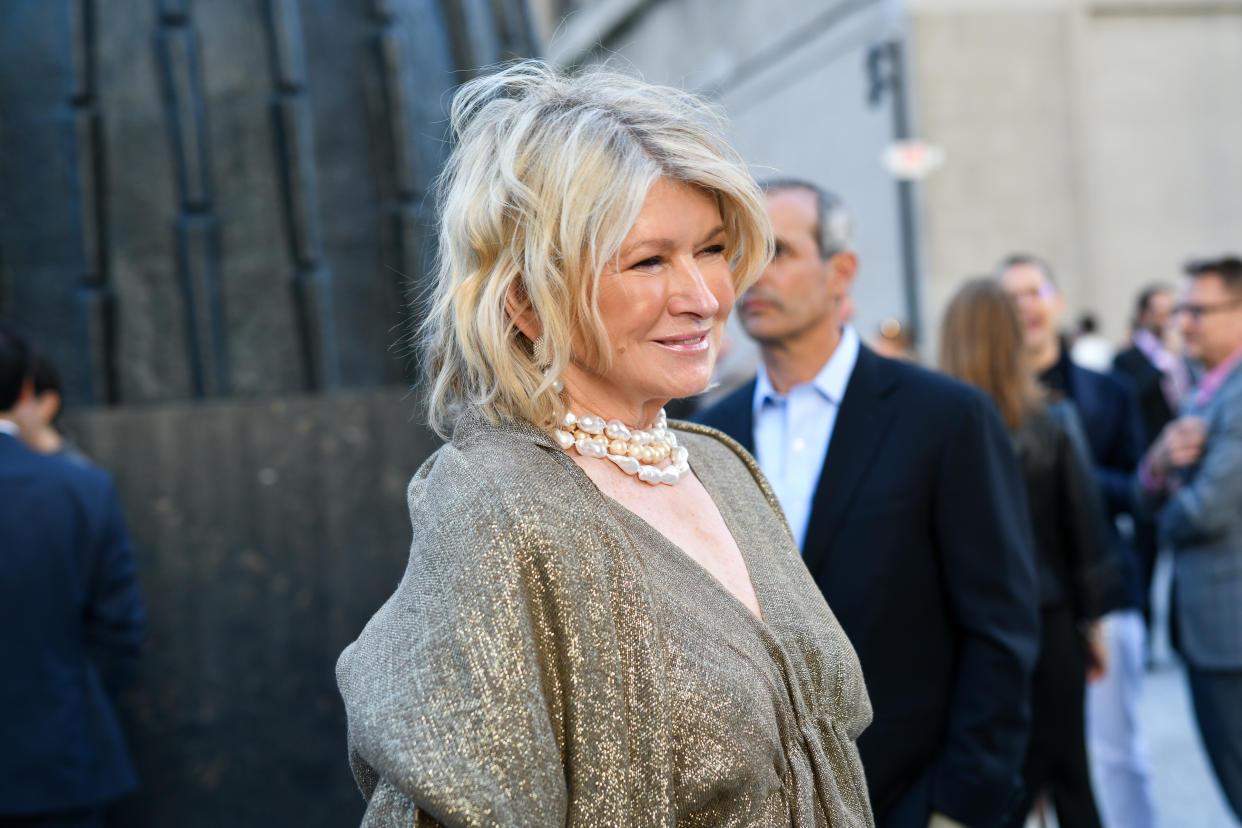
pixel 981 343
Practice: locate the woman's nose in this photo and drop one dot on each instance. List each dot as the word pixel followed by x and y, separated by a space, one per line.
pixel 691 292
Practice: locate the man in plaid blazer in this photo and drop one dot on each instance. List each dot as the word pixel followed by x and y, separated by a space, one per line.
pixel 1193 472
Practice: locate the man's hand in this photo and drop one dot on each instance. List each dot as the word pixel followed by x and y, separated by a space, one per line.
pixel 939 820
pixel 1179 445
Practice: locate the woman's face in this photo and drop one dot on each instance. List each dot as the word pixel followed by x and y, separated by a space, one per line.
pixel 664 301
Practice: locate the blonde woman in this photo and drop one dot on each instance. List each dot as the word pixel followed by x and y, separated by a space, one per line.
pixel 604 620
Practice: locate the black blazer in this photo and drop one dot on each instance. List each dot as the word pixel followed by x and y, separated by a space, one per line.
pixel 920 541
pixel 70 625
pixel 1076 565
pixel 1145 379
pixel 1110 419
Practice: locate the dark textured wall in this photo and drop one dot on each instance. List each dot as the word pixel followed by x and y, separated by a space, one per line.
pixel 203 199
pixel 267 533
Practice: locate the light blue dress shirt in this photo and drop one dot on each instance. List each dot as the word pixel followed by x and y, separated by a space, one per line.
pixel 792 430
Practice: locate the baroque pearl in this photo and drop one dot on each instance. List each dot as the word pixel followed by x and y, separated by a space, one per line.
pixel 627 464
pixel 650 474
pixel 564 438
pixel 591 424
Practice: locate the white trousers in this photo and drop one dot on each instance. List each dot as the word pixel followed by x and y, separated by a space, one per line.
pixel 1116 748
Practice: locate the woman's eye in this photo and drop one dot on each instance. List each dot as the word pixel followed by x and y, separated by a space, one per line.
pixel 647 264
pixel 714 250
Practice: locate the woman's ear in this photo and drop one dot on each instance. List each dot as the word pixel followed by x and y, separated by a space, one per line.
pixel 519 310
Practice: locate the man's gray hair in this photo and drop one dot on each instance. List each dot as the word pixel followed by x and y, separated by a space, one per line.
pixel 1016 259
pixel 834 229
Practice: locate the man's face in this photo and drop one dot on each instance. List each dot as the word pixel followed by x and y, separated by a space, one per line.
pixel 799 292
pixel 1039 304
pixel 1155 317
pixel 1210 319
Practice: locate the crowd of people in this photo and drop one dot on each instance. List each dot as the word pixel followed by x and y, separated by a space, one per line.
pixel 853 591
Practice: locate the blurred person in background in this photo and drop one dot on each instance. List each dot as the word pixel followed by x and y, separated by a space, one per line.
pixel 1160 379
pixel 38 419
pixel 981 343
pixel 903 491
pixel 892 339
pixel 1117 748
pixel 71 622
pixel 591 630
pixel 1159 376
pixel 1193 474
pixel 1090 348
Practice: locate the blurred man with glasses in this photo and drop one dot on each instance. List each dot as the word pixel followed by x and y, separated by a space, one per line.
pixel 1193 474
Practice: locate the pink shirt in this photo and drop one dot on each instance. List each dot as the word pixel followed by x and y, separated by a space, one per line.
pixel 1209 384
pixel 1212 380
pixel 1174 378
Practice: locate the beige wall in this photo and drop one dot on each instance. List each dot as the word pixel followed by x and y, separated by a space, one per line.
pixel 1105 136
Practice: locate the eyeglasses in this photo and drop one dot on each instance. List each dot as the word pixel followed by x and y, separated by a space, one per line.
pixel 1197 312
pixel 1044 291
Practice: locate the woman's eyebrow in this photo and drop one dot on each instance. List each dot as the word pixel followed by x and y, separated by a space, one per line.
pixel 665 244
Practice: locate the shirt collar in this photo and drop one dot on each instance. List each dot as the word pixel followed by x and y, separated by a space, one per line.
pixel 1151 346
pixel 831 379
pixel 1213 379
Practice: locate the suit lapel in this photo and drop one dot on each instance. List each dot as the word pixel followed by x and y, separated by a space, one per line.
pixel 862 422
pixel 742 416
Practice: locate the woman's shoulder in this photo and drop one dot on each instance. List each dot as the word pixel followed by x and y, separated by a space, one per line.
pixel 494 478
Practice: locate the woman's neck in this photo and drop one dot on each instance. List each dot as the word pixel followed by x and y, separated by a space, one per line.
pixel 634 414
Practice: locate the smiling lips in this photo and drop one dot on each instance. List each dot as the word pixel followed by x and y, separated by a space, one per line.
pixel 686 343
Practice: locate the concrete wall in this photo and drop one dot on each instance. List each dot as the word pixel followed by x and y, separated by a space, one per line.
pixel 1101 135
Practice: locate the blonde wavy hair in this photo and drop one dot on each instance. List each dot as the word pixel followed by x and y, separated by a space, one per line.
pixel 547 175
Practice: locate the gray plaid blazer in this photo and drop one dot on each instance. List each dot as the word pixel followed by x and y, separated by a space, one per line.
pixel 1202 521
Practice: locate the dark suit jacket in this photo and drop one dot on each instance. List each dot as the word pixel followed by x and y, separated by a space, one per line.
pixel 1145 379
pixel 920 541
pixel 70 626
pixel 1110 419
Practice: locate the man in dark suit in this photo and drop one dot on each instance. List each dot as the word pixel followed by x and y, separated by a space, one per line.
pixel 903 491
pixel 1159 377
pixel 1114 433
pixel 1160 380
pixel 70 625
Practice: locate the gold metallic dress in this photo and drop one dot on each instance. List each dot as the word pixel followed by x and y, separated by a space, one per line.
pixel 551 659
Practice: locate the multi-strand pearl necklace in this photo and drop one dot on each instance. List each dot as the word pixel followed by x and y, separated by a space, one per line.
pixel 635 451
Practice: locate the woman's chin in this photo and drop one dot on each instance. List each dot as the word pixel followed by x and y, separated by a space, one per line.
pixel 686 387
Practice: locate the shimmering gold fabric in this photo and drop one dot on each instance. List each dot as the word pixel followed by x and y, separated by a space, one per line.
pixel 551 659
